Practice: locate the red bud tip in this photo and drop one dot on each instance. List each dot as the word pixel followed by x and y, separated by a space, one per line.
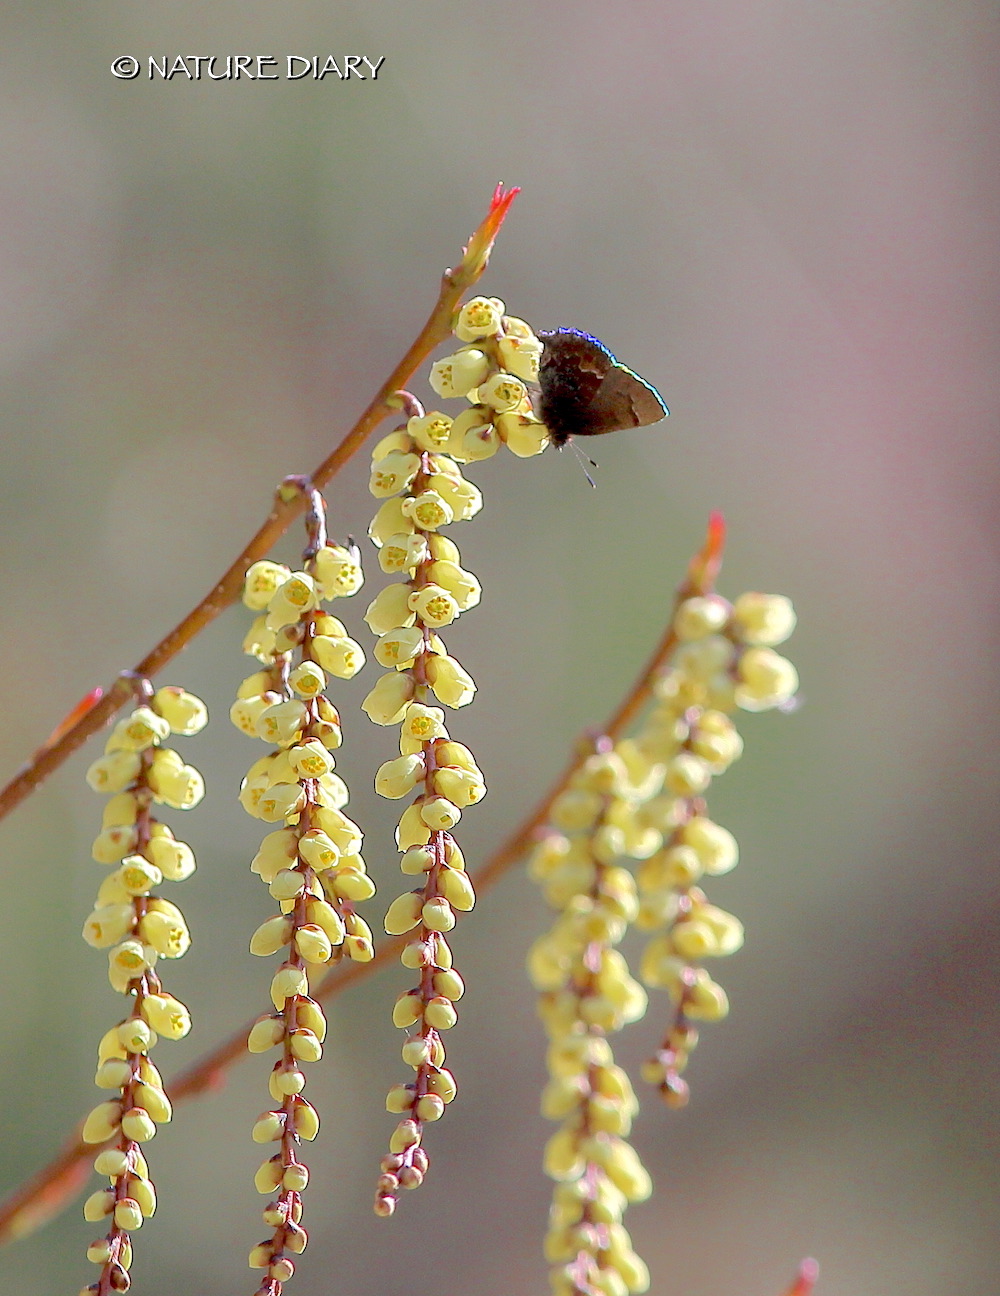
pixel 706 563
pixel 481 244
pixel 716 532
pixel 86 703
pixel 806 1280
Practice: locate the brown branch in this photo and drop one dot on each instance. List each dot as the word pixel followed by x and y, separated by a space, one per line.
pixel 99 706
pixel 42 1196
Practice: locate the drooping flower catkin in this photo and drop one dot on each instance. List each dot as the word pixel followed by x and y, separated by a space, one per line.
pixel 416 474
pixel 138 928
pixel 311 861
pixel 642 798
pixel 724 662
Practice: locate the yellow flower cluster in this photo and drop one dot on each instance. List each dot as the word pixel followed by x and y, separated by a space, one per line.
pixel 724 661
pixel 642 798
pixel 586 993
pixel 423 490
pixel 138 929
pixel 492 371
pixel 312 865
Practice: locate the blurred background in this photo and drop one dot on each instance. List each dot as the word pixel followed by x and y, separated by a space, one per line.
pixel 781 212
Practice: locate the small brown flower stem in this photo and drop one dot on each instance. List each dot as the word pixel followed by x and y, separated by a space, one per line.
pixel 42 1196
pixel 97 708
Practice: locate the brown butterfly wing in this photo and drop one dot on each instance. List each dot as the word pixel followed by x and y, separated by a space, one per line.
pixel 623 400
pixel 585 391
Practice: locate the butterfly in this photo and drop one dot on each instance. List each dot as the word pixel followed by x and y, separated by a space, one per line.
pixel 585 391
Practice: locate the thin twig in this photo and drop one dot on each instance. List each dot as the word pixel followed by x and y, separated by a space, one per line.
pixel 42 1196
pixel 98 707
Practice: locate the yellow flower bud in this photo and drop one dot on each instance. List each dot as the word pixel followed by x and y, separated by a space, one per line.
pixel 137 876
pixel 389 610
pixel 108 924
pixel 423 724
pixel 430 431
pixel 402 553
pixel 138 731
pixel 520 356
pixel 114 842
pixel 310 1015
pixel 523 434
pixel 167 1015
pixel 399 646
pixel 502 392
pixel 271 935
pixel 395 778
pixel 456 887
pixel 765 619
pixel 428 510
pixel 404 1136
pixel 137 1124
pixel 99 1205
pixel 313 944
pixel 307 679
pixel 412 830
pixel 700 616
pixel 282 723
pixel 323 915
pixel 715 846
pixel 458 374
pixel 463 587
pixel 151 1098
pixel 687 775
pixel 766 679
pixel 174 859
pixel 386 703
pixel 463 787
pixel 261 582
pixel 304 1045
pixel 399 440
pixel 318 850
pixel 439 814
pixel 479 318
pixel 265 1033
pixel 337 571
pixel 393 473
pixel 343 832
pixel 166 931
pixel 404 913
pixel 450 682
pixel 433 605
pixel 102 1122
pixel 416 860
pixel 135 1035
pixel 115 771
pixel 286 982
pixel 461 496
pixel 448 984
pixel 280 801
pixel 437 914
pixel 389 521
pixel 183 712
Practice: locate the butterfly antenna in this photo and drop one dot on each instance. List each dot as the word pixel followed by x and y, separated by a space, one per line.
pixel 584 460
